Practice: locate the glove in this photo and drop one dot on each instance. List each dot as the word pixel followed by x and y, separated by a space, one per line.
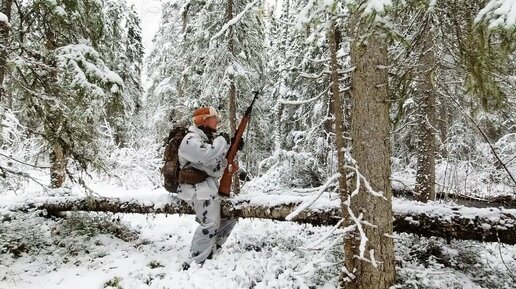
pixel 225 136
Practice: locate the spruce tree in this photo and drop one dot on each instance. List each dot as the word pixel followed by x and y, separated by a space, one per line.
pixel 61 79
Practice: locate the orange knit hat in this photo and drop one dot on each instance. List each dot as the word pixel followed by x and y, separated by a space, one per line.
pixel 203 113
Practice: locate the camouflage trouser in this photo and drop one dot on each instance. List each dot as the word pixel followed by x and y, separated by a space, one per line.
pixel 211 231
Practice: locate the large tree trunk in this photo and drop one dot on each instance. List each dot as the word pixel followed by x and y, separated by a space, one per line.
pixel 232 89
pixel 425 176
pixel 371 148
pixel 487 224
pixel 5 99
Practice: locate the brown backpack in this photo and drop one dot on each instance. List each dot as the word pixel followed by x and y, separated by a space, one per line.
pixel 170 170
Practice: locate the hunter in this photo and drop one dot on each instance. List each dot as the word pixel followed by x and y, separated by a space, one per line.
pixel 202 159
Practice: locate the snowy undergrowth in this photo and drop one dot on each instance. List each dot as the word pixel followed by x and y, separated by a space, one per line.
pixel 432 263
pixel 74 251
pixel 464 177
pixel 136 251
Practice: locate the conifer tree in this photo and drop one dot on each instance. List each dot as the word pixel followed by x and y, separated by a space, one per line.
pixel 61 79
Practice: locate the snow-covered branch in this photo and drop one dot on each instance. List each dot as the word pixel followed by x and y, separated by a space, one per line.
pixel 299 102
pixel 306 205
pixel 234 21
pixel 499 13
pixel 3 18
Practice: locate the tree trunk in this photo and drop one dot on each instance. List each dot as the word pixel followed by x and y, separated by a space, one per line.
pixel 5 99
pixel 279 107
pixel 232 90
pixel 336 102
pixel 371 148
pixel 57 166
pixel 58 158
pixel 278 135
pixel 425 176
pixel 488 224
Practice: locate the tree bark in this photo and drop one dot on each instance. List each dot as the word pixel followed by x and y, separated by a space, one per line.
pixel 371 149
pixel 232 89
pixel 338 119
pixel 5 99
pixel 488 224
pixel 425 175
pixel 57 166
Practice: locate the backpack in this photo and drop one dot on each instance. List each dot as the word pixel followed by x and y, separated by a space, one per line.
pixel 170 169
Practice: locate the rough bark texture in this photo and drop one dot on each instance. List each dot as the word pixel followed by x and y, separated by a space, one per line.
pixel 58 156
pixel 5 8
pixel 57 166
pixel 425 176
pixel 371 148
pixel 232 90
pixel 336 102
pixel 491 225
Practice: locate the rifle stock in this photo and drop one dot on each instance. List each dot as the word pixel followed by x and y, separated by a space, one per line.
pixel 226 180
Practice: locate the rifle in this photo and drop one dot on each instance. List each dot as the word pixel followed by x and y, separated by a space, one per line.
pixel 225 181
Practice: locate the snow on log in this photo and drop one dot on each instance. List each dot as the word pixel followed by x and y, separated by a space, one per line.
pixel 432 219
pixel 507 201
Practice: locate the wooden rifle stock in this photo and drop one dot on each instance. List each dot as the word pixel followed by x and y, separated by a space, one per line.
pixel 227 177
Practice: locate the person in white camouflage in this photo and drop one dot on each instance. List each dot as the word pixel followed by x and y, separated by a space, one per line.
pixel 202 151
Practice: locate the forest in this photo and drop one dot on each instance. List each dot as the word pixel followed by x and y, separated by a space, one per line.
pixel 380 151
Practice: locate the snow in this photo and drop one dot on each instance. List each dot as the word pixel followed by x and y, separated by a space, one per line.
pixel 83 61
pixel 499 13
pixel 299 102
pixel 306 205
pixel 150 15
pixel 376 6
pixel 3 17
pixel 258 253
pixel 60 11
pixel 303 16
pixel 235 20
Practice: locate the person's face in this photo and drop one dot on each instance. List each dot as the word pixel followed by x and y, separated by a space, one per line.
pixel 211 122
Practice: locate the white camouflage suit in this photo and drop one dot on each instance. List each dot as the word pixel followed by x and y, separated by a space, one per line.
pixel 196 151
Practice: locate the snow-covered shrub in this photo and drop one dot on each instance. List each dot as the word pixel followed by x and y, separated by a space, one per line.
pixel 20 153
pixel 34 232
pixel 135 166
pixel 91 224
pixel 22 233
pixel 434 263
pixel 113 283
pixel 286 169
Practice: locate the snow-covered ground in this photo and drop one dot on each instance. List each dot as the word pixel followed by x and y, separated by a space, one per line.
pixel 87 250
pixel 90 250
pixel 259 254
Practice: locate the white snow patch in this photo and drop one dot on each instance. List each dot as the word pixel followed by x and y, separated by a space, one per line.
pixel 3 17
pixel 376 6
pixel 499 13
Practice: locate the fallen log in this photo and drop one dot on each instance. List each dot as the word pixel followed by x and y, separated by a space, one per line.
pixel 439 220
pixel 506 201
